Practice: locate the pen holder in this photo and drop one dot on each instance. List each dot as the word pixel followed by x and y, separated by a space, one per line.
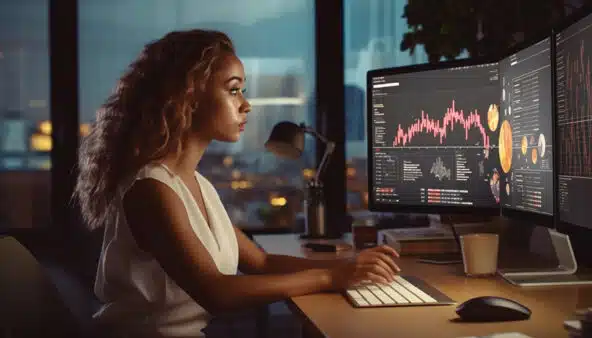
pixel 314 211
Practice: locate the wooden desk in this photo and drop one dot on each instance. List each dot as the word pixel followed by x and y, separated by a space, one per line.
pixel 332 315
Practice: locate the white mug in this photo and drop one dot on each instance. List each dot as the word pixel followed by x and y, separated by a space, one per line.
pixel 479 252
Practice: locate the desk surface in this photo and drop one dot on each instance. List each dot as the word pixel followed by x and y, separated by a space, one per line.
pixel 332 315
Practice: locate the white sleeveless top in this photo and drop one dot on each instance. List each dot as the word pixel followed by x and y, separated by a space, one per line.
pixel 140 299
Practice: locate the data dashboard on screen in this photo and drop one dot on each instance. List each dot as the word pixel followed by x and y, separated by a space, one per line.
pixel 434 137
pixel 526 118
pixel 574 121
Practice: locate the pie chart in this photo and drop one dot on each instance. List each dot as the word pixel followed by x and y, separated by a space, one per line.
pixel 524 145
pixel 505 146
pixel 493 117
pixel 542 145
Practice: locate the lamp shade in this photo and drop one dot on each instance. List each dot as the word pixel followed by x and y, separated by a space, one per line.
pixel 286 140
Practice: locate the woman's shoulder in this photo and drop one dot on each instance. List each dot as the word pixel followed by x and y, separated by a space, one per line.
pixel 155 170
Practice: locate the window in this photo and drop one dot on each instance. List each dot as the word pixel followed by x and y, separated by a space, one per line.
pixel 258 189
pixel 25 129
pixel 373 31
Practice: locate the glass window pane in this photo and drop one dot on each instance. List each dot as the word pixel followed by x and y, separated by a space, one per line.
pixel 275 40
pixel 373 31
pixel 25 130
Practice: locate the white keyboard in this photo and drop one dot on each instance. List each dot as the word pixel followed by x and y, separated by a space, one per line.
pixel 404 291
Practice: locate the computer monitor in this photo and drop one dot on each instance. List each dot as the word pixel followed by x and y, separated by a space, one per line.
pixel 432 138
pixel 526 122
pixel 572 144
pixel 573 44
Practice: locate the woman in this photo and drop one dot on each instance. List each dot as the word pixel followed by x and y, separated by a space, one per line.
pixel 170 254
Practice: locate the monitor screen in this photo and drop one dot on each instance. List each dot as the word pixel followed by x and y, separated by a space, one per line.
pixel 574 121
pixel 526 115
pixel 433 136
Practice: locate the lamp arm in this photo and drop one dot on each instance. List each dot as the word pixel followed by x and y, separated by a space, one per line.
pixel 330 146
pixel 315 134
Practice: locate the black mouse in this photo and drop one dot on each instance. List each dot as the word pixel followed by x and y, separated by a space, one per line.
pixel 492 309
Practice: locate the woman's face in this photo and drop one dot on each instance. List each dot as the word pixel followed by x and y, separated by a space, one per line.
pixel 224 106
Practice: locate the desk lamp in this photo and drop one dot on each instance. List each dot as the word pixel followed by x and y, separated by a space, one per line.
pixel 287 141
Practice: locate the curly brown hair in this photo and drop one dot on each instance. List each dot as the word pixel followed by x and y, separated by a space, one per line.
pixel 148 115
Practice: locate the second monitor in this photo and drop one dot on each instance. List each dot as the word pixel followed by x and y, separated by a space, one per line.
pixel 526 135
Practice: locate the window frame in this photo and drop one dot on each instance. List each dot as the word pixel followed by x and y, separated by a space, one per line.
pixel 63 79
pixel 330 113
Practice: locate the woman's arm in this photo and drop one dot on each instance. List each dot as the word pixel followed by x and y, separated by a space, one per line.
pixel 159 223
pixel 253 260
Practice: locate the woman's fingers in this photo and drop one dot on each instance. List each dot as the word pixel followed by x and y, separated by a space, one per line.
pixel 375 269
pixel 387 250
pixel 375 277
pixel 388 260
pixel 371 257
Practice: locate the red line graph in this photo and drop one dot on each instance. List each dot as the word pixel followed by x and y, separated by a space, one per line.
pixel 439 129
pixel 576 133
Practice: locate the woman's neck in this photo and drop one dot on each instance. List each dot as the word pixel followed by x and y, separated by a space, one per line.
pixel 185 162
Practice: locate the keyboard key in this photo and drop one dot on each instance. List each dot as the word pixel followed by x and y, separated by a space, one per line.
pixel 405 293
pixel 415 290
pixel 370 298
pixel 384 298
pixel 357 298
pixel 394 295
pixel 361 302
pixel 354 294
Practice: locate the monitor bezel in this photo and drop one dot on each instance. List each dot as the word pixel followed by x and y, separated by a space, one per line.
pixel 530 216
pixel 581 14
pixel 578 15
pixel 428 209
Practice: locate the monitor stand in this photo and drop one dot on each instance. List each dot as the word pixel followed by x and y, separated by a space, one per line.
pixel 565 273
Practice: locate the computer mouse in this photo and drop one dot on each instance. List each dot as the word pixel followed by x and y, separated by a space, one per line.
pixel 492 309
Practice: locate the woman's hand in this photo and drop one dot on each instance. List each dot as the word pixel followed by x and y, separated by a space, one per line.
pixel 376 265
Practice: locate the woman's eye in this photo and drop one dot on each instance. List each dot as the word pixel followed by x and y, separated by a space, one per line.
pixel 235 91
